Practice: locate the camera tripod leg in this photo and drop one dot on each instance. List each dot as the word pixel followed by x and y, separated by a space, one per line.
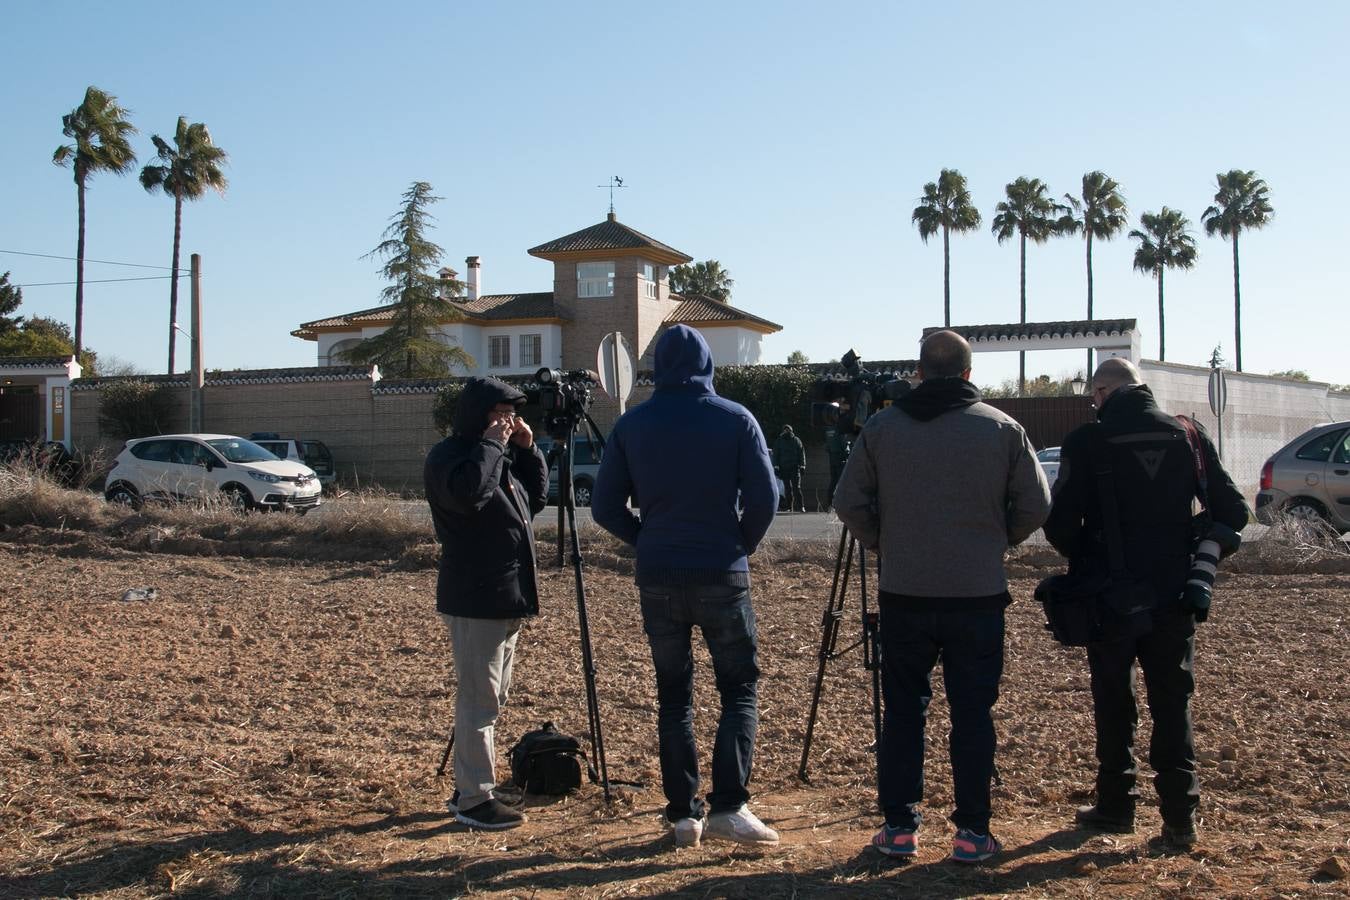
pixel 871 634
pixel 587 657
pixel 829 637
pixel 440 772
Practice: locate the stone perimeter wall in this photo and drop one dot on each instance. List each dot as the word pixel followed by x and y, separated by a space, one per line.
pixel 380 431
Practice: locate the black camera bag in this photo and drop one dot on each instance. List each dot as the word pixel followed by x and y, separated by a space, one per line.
pixel 546 761
pixel 1082 609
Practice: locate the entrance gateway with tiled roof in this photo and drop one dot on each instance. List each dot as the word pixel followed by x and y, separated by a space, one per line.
pixel 608 277
pixel 34 397
pixel 1109 337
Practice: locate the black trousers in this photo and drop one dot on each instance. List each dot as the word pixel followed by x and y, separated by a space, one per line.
pixel 1167 656
pixel 792 487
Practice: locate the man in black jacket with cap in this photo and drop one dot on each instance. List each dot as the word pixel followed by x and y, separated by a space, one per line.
pixel 485 483
pixel 1154 478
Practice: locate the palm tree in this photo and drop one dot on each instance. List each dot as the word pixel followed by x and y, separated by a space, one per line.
pixel 1164 243
pixel 1099 213
pixel 1028 213
pixel 100 131
pixel 946 207
pixel 707 279
pixel 184 172
pixel 1242 202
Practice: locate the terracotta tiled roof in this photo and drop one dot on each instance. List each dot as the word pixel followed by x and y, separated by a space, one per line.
pixel 33 362
pixel 610 234
pixel 699 310
pixel 487 308
pixel 1034 330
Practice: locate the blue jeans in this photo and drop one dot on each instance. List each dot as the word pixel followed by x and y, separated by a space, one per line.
pixel 970 645
pixel 727 621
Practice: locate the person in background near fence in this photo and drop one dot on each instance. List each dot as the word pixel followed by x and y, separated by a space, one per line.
pixel 838 444
pixel 941 484
pixel 693 568
pixel 789 457
pixel 485 483
pixel 1154 473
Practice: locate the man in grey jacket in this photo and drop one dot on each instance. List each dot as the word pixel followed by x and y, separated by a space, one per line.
pixel 940 485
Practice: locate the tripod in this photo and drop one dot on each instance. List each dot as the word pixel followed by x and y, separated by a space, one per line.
pixel 870 640
pixel 567 503
pixel 562 450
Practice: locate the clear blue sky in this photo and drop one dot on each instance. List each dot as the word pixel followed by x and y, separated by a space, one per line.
pixel 790 141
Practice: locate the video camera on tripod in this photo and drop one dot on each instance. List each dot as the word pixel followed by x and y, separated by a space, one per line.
pixel 564 397
pixel 847 405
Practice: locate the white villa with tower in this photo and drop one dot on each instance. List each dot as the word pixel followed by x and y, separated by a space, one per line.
pixel 608 277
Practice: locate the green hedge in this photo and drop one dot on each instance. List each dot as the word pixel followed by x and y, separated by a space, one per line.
pixel 775 395
pixel 133 409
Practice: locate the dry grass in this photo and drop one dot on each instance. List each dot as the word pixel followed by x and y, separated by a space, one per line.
pixel 271 728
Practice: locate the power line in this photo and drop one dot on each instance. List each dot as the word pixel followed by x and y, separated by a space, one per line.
pixel 98 280
pixel 103 262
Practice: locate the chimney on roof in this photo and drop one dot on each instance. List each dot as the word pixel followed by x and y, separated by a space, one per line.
pixel 475 276
pixel 448 274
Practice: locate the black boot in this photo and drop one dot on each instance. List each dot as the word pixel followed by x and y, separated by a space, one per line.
pixel 1092 817
pixel 1180 834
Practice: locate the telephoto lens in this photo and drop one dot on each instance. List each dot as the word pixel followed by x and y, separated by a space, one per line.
pixel 1199 591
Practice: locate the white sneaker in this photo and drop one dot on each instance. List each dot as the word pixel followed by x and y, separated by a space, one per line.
pixel 741 826
pixel 687 832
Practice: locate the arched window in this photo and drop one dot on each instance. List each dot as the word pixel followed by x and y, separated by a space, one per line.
pixel 336 353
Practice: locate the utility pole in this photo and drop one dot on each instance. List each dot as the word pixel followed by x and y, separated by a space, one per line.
pixel 197 378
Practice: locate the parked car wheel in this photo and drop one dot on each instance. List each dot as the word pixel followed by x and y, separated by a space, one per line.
pixel 581 491
pixel 238 496
pixel 1305 509
pixel 124 495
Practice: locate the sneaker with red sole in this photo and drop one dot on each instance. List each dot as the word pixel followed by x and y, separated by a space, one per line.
pixel 900 842
pixel 969 847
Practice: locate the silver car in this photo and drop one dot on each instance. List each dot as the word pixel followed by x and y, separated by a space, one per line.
pixel 1309 478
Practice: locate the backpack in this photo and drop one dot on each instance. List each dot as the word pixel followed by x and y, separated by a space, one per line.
pixel 546 761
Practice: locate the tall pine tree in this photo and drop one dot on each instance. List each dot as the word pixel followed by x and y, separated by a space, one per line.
pixel 409 348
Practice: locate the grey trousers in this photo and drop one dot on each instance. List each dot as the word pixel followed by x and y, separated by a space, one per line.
pixel 484 651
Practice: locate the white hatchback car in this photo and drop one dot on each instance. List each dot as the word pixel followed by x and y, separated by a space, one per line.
pixel 1049 460
pixel 204 466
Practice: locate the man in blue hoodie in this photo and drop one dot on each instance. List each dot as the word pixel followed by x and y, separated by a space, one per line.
pixel 692 458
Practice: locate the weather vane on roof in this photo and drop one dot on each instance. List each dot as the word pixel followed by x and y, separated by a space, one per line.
pixel 614 182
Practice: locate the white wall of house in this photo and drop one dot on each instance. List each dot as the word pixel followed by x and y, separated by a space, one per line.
pixel 733 345
pixel 474 339
pixel 550 348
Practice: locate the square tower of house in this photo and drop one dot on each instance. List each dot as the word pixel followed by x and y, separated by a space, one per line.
pixel 610 277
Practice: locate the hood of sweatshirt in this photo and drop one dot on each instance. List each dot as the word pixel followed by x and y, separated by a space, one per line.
pixel 477 400
pixel 683 360
pixel 935 396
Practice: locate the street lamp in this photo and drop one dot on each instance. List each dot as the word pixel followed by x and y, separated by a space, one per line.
pixel 1078 385
pixel 194 382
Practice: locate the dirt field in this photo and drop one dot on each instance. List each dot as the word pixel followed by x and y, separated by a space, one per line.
pixel 266 727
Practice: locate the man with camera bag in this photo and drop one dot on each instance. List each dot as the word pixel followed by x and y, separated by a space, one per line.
pixel 941 484
pixel 484 483
pixel 690 457
pixel 1151 472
